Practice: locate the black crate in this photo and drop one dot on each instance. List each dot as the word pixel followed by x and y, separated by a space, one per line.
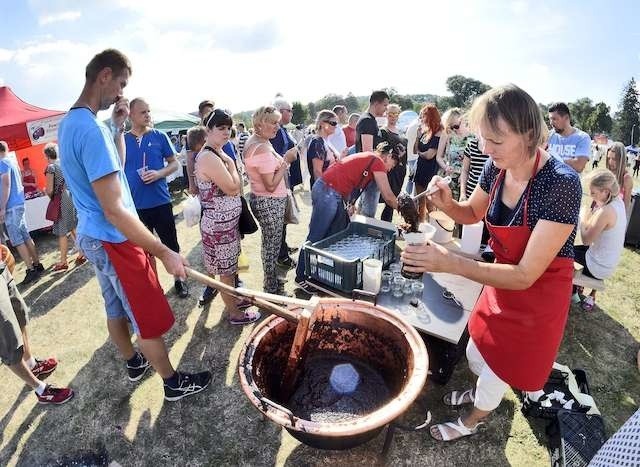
pixel 340 273
pixel 575 438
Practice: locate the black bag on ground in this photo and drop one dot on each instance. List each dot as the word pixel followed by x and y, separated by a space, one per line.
pixel 575 438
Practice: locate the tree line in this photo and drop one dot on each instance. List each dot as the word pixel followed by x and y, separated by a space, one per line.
pixel 593 118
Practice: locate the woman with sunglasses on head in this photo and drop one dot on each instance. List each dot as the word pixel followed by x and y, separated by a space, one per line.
pixel 220 187
pixel 430 150
pixel 391 134
pixel 455 139
pixel 530 203
pixel 320 153
pixel 266 170
pixel 617 163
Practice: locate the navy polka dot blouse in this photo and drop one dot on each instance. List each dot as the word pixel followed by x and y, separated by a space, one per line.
pixel 556 194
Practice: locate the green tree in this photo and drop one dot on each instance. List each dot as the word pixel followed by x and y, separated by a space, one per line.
pixel 600 120
pixel 311 112
pixel 580 112
pixel 329 101
pixel 352 104
pixel 464 90
pixel 627 118
pixel 299 113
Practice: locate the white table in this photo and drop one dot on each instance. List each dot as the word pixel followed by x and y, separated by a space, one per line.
pixel 35 210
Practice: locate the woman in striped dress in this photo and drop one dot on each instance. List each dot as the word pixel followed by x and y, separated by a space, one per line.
pixel 66 223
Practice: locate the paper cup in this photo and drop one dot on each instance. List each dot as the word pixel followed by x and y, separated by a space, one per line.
pixel 426 232
pixel 142 170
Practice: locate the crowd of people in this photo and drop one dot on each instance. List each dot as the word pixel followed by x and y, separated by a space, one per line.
pixel 506 168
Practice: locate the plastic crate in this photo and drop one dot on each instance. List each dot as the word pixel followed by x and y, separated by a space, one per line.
pixel 575 438
pixel 341 273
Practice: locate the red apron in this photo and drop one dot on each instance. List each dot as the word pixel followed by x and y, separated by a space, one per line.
pixel 518 332
pixel 139 280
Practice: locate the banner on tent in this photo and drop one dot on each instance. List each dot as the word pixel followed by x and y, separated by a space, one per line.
pixel 44 130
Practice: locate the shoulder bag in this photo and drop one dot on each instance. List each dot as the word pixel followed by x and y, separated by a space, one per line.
pixel 54 208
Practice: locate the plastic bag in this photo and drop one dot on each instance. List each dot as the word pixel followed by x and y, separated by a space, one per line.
pixel 191 210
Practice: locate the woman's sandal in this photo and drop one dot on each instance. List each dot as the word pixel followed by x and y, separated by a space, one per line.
pixel 458 427
pixel 588 303
pixel 458 398
pixel 249 316
pixel 244 303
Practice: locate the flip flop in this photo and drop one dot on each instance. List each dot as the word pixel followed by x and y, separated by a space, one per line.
pixel 458 427
pixel 458 398
pixel 250 316
pixel 588 303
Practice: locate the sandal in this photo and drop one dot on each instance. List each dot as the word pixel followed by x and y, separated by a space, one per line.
pixel 244 303
pixel 80 260
pixel 60 267
pixel 588 303
pixel 457 426
pixel 458 398
pixel 249 316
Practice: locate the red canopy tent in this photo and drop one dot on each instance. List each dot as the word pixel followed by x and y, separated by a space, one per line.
pixel 26 128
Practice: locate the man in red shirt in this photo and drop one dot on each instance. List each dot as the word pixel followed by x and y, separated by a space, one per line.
pixel 350 130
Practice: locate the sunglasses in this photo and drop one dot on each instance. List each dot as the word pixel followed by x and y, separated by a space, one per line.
pixel 331 122
pixel 455 127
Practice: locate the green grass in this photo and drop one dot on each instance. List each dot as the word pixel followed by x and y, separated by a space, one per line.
pixel 131 424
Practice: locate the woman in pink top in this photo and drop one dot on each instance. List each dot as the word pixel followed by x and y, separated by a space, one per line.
pixel 266 170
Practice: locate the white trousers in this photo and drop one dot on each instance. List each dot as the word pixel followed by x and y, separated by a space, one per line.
pixel 489 388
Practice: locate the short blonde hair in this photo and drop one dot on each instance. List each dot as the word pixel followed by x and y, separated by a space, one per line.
pixel 395 107
pixel 265 113
pixel 604 179
pixel 516 108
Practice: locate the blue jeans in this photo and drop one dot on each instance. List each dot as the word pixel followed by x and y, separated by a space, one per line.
pixel 369 200
pixel 115 299
pixel 327 212
pixel 411 170
pixel 16 224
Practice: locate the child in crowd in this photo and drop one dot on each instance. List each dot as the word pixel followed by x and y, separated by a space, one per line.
pixel 602 228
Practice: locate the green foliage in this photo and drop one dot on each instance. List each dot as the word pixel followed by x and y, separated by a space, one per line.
pixel 464 90
pixel 352 103
pixel 299 113
pixel 628 118
pixel 580 112
pixel 599 121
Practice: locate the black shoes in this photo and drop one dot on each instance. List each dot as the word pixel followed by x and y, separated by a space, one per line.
pixel 292 250
pixel 188 384
pixel 208 294
pixel 182 289
pixel 31 276
pixel 136 371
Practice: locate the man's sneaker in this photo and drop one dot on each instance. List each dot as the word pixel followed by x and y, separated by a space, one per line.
pixel 188 384
pixel 31 276
pixel 208 294
pixel 287 263
pixel 182 289
pixel 53 395
pixel 38 267
pixel 44 367
pixel 136 372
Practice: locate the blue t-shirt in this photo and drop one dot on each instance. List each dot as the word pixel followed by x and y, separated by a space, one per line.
pixel 229 150
pixel 16 194
pixel 88 153
pixel 577 144
pixel 555 195
pixel 153 148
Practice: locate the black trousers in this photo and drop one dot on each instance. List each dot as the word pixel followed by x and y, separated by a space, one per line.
pixel 160 219
pixel 284 248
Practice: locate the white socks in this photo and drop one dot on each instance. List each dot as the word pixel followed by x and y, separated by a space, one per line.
pixel 31 362
pixel 40 389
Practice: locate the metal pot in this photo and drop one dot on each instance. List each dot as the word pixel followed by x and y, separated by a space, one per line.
pixel 355 329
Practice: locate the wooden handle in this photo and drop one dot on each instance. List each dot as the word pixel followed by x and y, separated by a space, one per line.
pixel 257 298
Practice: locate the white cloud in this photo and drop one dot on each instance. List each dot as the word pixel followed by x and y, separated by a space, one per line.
pixel 6 55
pixel 58 17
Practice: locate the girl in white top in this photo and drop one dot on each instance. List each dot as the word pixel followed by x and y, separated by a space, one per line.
pixel 602 228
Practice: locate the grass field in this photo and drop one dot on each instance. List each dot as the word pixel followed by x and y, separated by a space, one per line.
pixel 111 419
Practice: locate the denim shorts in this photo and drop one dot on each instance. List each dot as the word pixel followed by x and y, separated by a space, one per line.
pixel 115 300
pixel 16 225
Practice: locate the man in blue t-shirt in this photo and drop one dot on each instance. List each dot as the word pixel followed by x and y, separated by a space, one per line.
pixel 566 143
pixel 151 158
pixel 13 217
pixel 109 232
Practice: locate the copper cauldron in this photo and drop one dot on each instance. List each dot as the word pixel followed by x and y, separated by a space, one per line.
pixel 355 329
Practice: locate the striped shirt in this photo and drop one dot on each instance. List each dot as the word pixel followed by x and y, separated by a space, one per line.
pixel 477 161
pixel 242 138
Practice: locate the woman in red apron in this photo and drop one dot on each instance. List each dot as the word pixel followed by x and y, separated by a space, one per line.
pixel 530 202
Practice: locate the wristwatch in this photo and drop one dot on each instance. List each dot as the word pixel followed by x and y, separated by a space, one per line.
pixel 116 130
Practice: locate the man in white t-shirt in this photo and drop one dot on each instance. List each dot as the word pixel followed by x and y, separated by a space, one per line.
pixel 412 157
pixel 337 139
pixel 566 143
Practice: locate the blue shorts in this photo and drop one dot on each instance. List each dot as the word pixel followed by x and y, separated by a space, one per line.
pixel 115 300
pixel 16 225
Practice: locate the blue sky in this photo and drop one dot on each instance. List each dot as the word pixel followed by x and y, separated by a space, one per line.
pixel 242 56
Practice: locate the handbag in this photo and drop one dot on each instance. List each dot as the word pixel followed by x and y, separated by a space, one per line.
pixel 247 222
pixel 291 211
pixel 54 208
